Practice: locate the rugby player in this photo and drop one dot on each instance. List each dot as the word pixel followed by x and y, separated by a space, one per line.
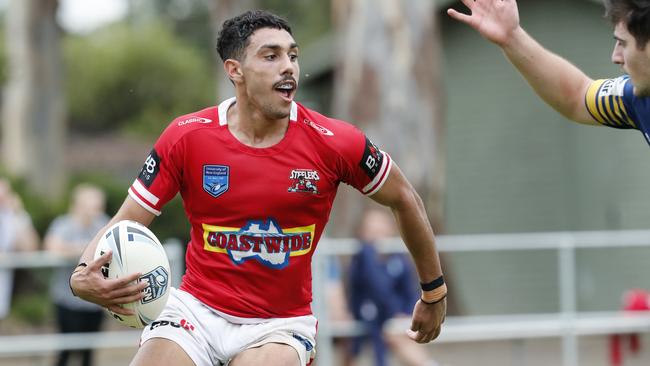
pixel 622 102
pixel 258 174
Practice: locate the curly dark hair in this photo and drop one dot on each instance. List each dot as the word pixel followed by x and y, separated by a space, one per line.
pixel 635 14
pixel 235 32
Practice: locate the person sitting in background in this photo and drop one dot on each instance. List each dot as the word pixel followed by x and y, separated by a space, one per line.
pixel 16 234
pixel 68 236
pixel 381 288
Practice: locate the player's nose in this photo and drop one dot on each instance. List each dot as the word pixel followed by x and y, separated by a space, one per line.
pixel 617 55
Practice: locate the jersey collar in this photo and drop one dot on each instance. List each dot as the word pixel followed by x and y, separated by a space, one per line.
pixel 223 111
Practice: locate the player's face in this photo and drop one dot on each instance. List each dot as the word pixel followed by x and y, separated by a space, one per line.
pixel 633 61
pixel 271 72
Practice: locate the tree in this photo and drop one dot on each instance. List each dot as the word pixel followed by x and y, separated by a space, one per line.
pixel 387 82
pixel 220 10
pixel 34 104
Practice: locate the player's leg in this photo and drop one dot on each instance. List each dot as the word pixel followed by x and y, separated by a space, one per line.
pixel 269 354
pixel 161 352
pixel 276 342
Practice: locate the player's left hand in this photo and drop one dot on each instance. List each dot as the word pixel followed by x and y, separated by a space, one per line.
pixel 427 321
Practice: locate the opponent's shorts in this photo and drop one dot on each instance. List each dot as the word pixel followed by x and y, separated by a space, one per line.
pixel 212 338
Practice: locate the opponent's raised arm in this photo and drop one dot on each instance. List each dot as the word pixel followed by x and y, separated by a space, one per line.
pixel 558 82
pixel 87 281
pixel 429 312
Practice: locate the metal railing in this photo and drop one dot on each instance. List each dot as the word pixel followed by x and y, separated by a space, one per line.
pixel 568 324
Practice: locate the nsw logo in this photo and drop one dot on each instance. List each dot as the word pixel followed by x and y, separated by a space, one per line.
pixel 158 280
pixel 215 179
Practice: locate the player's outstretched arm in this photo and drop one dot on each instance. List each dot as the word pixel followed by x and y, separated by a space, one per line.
pixel 88 282
pixel 558 82
pixel 398 194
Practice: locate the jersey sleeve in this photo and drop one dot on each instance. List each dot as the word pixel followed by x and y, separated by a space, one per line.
pixel 160 176
pixel 365 167
pixel 609 102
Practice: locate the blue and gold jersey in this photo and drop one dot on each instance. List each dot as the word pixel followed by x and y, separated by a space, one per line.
pixel 611 102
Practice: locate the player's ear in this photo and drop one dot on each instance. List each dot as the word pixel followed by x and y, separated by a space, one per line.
pixel 233 70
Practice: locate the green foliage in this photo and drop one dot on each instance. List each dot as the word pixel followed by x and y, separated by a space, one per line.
pixel 309 19
pixel 135 78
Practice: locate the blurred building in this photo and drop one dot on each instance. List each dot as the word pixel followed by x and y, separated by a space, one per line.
pixel 515 165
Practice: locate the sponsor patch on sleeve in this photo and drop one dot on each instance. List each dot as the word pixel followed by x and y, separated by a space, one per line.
pixel 150 169
pixel 372 159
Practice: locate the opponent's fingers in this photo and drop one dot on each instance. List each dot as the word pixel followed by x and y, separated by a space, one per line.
pixel 463 18
pixel 97 264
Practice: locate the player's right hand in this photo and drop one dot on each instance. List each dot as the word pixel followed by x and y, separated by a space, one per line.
pixel 496 20
pixel 89 284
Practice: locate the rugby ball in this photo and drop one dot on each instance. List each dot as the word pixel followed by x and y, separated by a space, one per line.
pixel 136 249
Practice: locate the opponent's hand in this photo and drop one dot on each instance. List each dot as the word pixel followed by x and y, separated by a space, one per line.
pixel 427 321
pixel 89 284
pixel 496 20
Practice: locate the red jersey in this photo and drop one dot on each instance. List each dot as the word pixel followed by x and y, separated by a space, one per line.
pixel 256 213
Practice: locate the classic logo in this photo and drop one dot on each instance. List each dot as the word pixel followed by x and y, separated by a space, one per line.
pixel 318 127
pixel 259 240
pixel 304 180
pixel 215 179
pixel 194 120
pixel 158 280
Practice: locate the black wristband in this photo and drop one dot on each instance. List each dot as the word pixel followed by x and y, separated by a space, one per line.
pixel 433 302
pixel 430 286
pixel 82 264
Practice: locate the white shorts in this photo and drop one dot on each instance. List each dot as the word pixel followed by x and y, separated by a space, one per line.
pixel 211 340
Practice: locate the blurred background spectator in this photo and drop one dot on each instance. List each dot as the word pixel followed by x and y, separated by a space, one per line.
pixel 16 234
pixel 383 287
pixel 68 236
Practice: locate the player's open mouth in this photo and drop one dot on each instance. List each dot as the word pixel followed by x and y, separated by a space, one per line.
pixel 286 89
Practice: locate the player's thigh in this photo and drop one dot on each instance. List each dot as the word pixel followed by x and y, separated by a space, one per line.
pixel 161 352
pixel 269 354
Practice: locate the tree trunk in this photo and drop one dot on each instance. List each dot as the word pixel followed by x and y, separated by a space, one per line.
pixel 34 104
pixel 388 83
pixel 220 11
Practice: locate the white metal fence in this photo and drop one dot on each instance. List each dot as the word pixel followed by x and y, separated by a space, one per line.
pixel 568 324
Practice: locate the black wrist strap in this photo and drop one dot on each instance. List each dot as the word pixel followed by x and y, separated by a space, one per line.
pixel 430 286
pixel 82 264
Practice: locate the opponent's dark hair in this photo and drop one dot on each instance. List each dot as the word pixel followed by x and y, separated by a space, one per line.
pixel 235 32
pixel 635 14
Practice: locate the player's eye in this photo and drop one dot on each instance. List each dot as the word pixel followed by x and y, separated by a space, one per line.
pixel 270 57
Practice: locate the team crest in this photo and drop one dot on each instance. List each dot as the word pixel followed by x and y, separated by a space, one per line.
pixel 304 180
pixel 215 179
